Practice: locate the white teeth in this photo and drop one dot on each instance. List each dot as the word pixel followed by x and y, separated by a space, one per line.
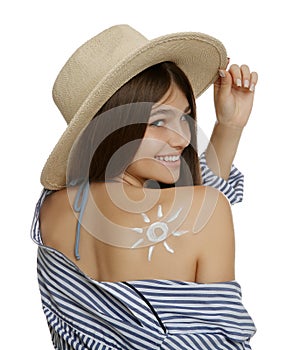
pixel 168 158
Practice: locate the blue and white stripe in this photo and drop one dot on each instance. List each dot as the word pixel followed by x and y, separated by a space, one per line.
pixel 149 314
pixel 232 188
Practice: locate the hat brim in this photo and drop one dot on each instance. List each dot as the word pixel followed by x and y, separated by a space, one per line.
pixel 199 56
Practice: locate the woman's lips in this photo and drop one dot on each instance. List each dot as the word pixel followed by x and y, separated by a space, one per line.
pixel 169 160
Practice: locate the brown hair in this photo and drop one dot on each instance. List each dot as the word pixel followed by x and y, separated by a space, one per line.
pixel 123 120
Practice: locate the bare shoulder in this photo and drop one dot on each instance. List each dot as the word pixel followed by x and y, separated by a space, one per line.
pixel 56 205
pixel 211 210
pixel 216 246
pixel 208 210
pixel 204 198
pixel 212 238
pixel 58 220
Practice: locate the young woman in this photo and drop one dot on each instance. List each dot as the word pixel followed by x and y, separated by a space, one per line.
pixel 134 253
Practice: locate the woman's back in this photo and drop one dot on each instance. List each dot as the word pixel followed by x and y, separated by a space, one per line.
pixel 153 311
pixel 181 237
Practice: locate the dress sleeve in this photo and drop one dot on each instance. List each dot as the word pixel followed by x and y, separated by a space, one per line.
pixel 232 188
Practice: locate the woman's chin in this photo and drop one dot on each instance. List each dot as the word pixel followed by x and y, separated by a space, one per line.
pixel 164 179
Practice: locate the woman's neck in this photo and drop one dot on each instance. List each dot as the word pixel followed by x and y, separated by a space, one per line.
pixel 128 179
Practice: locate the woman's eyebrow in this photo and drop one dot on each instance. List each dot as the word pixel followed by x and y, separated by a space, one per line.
pixel 160 110
pixel 166 110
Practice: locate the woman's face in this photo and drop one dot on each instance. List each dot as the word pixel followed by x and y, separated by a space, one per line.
pixel 167 134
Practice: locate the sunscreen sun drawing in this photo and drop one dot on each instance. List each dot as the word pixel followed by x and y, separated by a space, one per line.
pixel 157 231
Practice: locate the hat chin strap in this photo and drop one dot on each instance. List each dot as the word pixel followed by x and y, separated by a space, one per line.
pixel 79 207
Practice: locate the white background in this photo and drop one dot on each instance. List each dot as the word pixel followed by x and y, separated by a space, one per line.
pixel 36 39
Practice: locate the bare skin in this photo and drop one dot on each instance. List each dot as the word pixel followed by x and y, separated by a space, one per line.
pixel 207 256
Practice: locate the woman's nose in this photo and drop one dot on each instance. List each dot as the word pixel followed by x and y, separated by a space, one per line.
pixel 178 138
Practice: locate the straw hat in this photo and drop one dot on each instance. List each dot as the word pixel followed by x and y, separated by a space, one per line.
pixel 105 63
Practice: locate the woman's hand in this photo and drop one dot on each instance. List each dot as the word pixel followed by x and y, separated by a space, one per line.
pixel 233 99
pixel 233 95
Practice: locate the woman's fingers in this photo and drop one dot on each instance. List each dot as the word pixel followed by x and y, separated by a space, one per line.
pixel 235 72
pixel 253 81
pixel 242 77
pixel 245 72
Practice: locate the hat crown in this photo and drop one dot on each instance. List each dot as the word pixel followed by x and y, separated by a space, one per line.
pixel 90 64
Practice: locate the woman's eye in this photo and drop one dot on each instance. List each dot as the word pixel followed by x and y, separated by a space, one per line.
pixel 159 122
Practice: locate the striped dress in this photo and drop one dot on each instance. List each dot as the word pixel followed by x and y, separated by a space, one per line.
pixel 85 314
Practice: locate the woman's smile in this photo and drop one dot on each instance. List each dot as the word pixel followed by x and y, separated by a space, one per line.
pixel 172 161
